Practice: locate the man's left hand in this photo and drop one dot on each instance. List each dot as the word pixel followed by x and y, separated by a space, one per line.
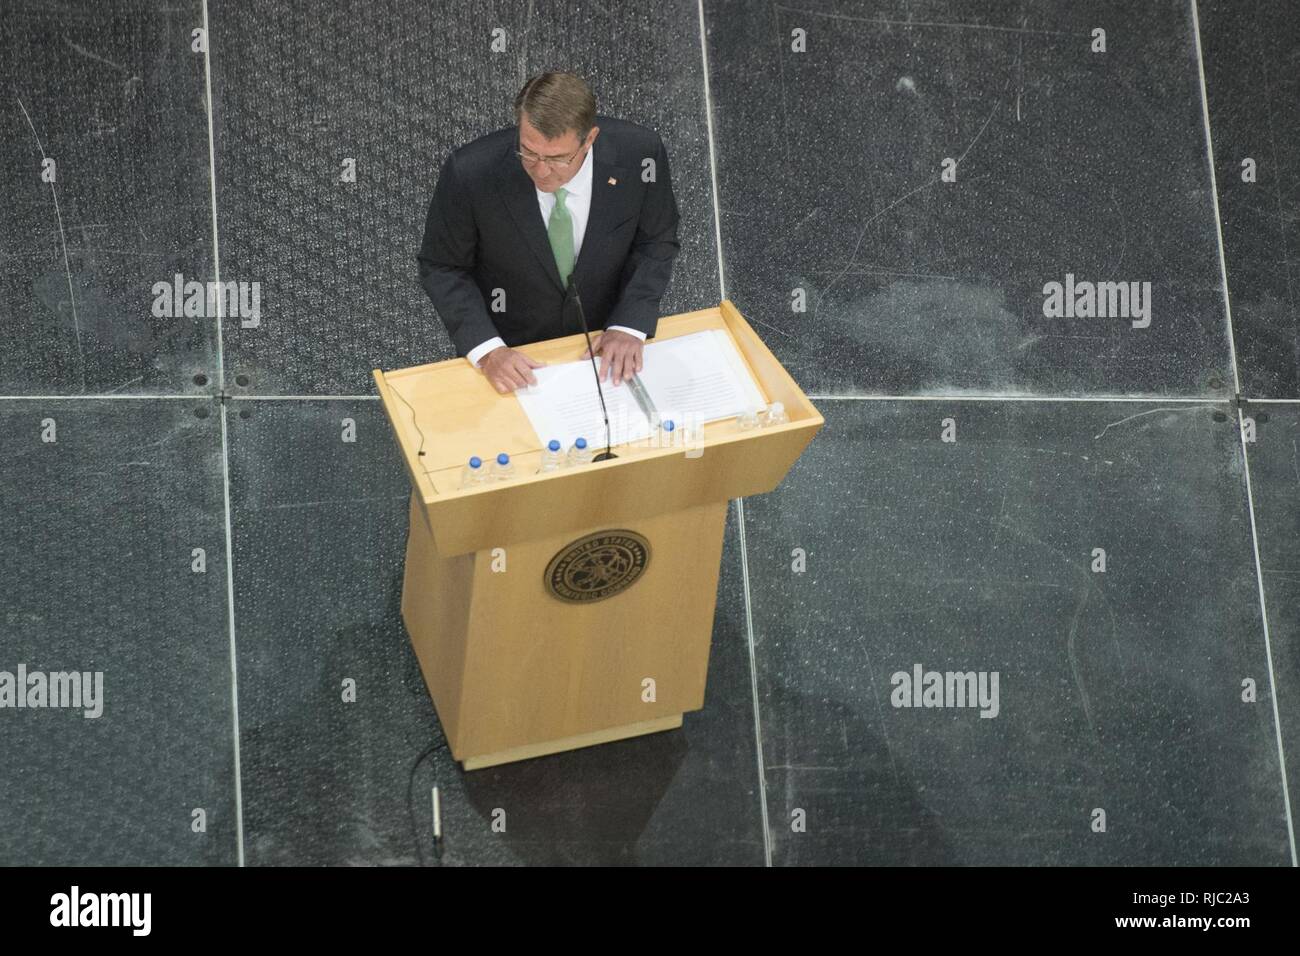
pixel 620 352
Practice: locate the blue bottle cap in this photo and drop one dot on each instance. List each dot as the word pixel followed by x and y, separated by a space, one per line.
pixel 475 461
pixel 668 425
pixel 503 459
pixel 553 445
pixel 581 443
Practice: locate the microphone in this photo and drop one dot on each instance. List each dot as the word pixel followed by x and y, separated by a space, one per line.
pixel 573 290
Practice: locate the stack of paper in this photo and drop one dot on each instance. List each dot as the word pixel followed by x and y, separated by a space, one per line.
pixel 692 378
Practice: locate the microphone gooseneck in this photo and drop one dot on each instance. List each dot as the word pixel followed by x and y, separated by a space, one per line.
pixel 573 290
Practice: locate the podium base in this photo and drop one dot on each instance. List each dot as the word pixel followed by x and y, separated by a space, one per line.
pixel 528 751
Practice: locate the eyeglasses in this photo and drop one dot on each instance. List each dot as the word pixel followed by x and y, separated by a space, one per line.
pixel 554 162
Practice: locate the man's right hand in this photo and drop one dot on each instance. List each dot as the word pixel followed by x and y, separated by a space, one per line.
pixel 507 369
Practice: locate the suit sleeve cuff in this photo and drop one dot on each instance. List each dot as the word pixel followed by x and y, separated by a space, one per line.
pixel 623 328
pixel 478 351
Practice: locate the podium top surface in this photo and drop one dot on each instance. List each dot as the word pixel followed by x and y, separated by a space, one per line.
pixel 449 411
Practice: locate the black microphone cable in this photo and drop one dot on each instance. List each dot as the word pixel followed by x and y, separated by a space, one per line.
pixel 416 422
pixel 437 815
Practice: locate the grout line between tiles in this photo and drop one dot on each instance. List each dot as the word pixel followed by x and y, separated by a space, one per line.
pixel 225 448
pixel 713 158
pixel 73 398
pixel 234 668
pixel 199 397
pixel 1241 435
pixel 740 503
pixel 1207 400
pixel 212 197
pixel 303 398
pixel 1210 400
pixel 753 680
pixel 1214 193
pixel 1268 643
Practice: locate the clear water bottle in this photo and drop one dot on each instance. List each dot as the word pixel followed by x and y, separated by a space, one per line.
pixel 502 468
pixel 580 454
pixel 668 436
pixel 748 419
pixel 693 437
pixel 473 474
pixel 552 457
pixel 776 415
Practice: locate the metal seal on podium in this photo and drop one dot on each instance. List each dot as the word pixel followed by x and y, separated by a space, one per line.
pixel 597 566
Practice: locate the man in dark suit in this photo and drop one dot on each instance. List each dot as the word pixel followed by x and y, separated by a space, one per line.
pixel 516 211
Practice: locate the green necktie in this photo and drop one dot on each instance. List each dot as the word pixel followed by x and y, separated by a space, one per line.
pixel 560 230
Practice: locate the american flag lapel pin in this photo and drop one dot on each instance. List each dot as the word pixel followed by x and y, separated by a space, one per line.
pixel 613 181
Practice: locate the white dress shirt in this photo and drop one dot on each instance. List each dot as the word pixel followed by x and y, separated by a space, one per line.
pixel 577 200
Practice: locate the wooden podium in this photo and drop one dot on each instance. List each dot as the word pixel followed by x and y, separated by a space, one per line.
pixel 557 611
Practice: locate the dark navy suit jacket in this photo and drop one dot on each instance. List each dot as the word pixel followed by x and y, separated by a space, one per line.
pixel 485 232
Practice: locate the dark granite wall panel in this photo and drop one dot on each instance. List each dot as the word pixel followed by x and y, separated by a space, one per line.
pixel 97 532
pixel 397 86
pixel 111 92
pixel 1069 163
pixel 1252 77
pixel 318 530
pixel 320 535
pixel 1117 690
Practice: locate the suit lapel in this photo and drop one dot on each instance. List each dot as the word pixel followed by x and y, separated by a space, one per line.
pixel 607 200
pixel 520 196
